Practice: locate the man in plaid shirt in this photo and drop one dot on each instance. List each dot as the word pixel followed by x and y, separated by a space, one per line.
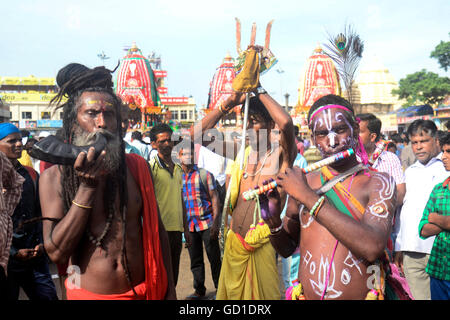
pixel 203 218
pixel 436 221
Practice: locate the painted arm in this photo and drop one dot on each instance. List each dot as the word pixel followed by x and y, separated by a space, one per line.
pixel 366 238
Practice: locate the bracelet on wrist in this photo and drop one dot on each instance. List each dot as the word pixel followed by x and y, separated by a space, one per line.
pixel 316 207
pixel 260 90
pixel 81 205
pixel 277 229
pixel 223 110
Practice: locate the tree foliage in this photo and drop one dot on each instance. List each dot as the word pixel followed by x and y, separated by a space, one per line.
pixel 442 54
pixel 423 87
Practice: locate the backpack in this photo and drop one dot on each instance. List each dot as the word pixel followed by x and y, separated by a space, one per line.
pixel 221 190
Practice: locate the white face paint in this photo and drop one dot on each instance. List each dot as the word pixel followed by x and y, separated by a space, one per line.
pixel 330 126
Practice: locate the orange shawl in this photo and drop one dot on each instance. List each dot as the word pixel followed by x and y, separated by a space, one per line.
pixel 155 272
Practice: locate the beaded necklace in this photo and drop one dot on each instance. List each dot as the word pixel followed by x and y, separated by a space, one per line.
pixel 97 241
pixel 246 174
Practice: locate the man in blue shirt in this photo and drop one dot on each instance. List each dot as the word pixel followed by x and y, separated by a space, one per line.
pixel 203 219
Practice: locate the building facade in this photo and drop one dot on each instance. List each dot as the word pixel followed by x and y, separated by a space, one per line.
pixel 27 103
pixel 372 90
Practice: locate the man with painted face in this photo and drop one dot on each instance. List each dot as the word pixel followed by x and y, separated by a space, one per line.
pixel 105 219
pixel 249 268
pixel 411 251
pixel 342 233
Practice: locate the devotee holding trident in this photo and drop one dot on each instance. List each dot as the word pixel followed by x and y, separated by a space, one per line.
pixel 106 222
pixel 342 228
pixel 249 268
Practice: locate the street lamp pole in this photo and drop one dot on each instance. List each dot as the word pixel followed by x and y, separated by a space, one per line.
pixel 280 72
pixel 103 57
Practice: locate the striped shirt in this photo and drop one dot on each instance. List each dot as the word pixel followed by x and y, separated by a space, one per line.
pixel 197 200
pixel 439 262
pixel 11 187
pixel 389 163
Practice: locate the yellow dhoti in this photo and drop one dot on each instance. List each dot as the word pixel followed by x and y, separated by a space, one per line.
pixel 248 272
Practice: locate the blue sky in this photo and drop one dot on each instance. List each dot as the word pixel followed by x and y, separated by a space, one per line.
pixel 193 37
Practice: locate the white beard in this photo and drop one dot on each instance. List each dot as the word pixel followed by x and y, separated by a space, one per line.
pixel 113 147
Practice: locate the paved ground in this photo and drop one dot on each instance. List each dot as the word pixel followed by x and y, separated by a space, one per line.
pixel 185 279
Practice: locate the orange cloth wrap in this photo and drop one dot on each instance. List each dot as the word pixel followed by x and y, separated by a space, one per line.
pixel 155 271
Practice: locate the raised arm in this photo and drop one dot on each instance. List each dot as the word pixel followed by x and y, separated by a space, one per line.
pixel 62 238
pixel 284 122
pixel 199 133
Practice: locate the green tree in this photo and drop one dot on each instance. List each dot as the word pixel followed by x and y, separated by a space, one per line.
pixel 442 54
pixel 423 87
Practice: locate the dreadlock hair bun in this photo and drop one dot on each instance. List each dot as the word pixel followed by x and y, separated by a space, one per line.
pixel 68 72
pixel 76 77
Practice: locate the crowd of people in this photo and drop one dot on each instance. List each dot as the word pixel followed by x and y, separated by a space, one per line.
pixel 373 224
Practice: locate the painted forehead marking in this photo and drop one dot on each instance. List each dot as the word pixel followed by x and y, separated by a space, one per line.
pixel 103 103
pixel 326 119
pixel 326 107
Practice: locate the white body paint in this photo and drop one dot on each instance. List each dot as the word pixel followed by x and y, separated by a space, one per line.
pixel 386 193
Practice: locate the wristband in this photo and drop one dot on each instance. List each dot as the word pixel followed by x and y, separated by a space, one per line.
pixel 277 229
pixel 221 109
pixel 81 206
pixel 260 90
pixel 316 207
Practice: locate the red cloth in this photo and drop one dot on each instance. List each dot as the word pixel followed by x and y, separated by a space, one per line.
pixel 82 294
pixel 446 183
pixel 44 165
pixel 155 271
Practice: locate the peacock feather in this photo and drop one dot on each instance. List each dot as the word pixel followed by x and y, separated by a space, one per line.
pixel 345 49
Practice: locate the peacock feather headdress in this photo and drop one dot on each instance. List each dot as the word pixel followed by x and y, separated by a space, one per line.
pixel 345 49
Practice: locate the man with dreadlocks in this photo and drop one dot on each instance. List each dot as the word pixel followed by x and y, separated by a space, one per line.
pixel 105 220
pixel 342 232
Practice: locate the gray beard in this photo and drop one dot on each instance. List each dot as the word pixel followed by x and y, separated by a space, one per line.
pixel 113 148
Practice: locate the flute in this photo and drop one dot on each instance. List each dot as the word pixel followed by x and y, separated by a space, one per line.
pixel 253 193
pixel 329 160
